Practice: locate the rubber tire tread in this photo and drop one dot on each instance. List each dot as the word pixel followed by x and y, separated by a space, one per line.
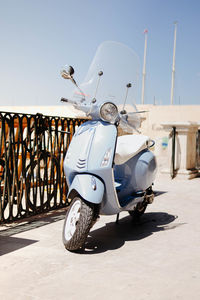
pixel 83 226
pixel 136 214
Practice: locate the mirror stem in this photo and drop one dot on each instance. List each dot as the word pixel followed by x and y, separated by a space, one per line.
pixel 81 92
pixel 100 74
pixel 128 86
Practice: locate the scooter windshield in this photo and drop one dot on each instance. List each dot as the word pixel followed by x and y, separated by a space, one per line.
pixel 113 76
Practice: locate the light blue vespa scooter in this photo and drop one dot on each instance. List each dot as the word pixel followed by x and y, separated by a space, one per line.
pixel 107 170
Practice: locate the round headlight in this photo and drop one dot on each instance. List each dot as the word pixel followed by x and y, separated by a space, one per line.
pixel 109 112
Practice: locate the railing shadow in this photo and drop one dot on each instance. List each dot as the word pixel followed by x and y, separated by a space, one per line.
pixel 33 222
pixel 8 243
pixel 113 236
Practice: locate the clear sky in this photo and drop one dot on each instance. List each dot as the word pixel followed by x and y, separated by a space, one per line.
pixel 38 37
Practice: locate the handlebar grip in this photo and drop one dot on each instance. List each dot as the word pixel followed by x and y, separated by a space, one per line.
pixel 64 100
pixel 68 101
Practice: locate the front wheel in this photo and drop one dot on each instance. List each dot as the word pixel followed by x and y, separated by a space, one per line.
pixel 78 221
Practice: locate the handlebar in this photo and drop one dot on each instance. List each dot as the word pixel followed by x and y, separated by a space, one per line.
pixel 64 100
pixel 79 106
pixel 68 101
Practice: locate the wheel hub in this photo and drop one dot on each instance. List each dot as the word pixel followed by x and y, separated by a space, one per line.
pixel 72 219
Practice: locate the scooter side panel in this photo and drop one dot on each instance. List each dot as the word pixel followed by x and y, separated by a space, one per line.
pixel 137 174
pixel 89 188
pixel 146 168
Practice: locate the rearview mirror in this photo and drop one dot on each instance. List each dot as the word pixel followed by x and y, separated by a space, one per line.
pixel 67 72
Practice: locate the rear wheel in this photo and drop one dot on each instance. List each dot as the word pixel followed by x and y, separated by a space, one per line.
pixel 138 211
pixel 78 221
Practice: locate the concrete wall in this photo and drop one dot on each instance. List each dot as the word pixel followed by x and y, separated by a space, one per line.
pixel 156 115
pixel 64 110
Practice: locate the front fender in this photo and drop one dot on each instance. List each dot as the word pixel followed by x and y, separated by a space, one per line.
pixel 88 187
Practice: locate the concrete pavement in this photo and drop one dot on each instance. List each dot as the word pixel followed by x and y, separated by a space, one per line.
pixel 158 258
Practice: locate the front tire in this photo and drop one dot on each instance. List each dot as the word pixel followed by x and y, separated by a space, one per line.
pixel 78 221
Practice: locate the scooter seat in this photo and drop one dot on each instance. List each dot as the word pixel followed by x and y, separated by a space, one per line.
pixel 128 146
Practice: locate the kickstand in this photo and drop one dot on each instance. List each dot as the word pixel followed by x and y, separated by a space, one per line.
pixel 117 219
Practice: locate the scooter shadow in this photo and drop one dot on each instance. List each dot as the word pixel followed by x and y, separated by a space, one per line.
pixel 113 236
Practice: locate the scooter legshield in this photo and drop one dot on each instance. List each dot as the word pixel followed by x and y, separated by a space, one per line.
pixel 88 187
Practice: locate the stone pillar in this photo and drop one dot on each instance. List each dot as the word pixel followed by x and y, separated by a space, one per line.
pixel 185 149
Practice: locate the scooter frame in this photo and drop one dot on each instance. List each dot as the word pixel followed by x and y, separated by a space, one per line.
pixel 92 174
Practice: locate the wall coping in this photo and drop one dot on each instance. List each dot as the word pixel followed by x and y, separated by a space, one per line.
pixel 181 126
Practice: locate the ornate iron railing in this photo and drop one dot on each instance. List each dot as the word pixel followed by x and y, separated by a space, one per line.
pixel 32 150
